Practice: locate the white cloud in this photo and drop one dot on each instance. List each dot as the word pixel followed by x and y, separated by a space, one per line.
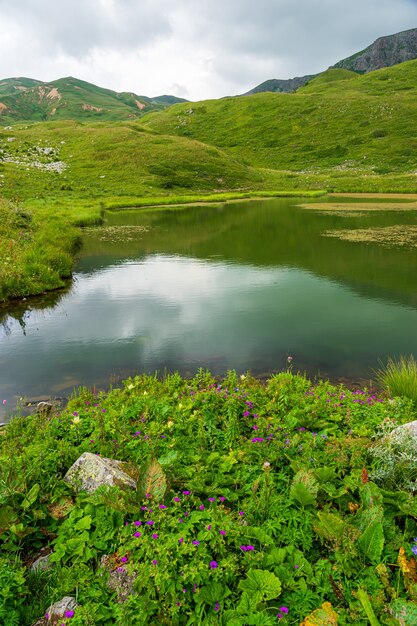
pixel 194 48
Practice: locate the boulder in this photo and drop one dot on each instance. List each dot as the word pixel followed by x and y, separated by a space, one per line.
pixel 410 429
pixel 58 612
pixel 120 580
pixel 91 471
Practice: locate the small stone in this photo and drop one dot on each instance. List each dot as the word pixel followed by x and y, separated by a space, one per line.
pixel 90 472
pixel 44 408
pixel 41 564
pixel 57 611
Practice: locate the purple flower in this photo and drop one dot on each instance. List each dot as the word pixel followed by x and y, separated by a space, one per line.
pixel 201 507
pixel 211 499
pixel 154 562
pixel 186 493
pixel 46 614
pixel 177 500
pixel 283 609
pixel 209 527
pixel 184 590
pixel 196 543
pixel 137 534
pixel 150 522
pixel 414 550
pixel 222 498
pixel 246 414
pixel 180 540
pixel 69 614
pixel 222 532
pixel 216 607
pixel 241 513
pixel 137 523
pixel 155 536
pixel 147 495
pixel 214 564
pixel 162 506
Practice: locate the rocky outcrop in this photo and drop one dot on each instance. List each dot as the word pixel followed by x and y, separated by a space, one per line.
pixel 384 52
pixel 120 580
pixel 91 471
pixel 281 86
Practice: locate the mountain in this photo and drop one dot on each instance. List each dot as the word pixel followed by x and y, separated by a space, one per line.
pixel 384 52
pixel 281 86
pixel 26 99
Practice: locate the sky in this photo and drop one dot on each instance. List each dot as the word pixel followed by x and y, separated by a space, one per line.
pixel 195 49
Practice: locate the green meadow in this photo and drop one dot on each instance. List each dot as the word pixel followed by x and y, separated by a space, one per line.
pixel 343 132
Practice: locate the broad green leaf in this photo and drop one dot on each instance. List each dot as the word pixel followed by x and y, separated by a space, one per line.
pixel 169 458
pixel 405 611
pixel 300 494
pixel 330 526
pixel 371 495
pixel 371 542
pixel 7 518
pixel 31 496
pixel 153 481
pixel 215 592
pixel 261 583
pixel 84 523
pixel 248 604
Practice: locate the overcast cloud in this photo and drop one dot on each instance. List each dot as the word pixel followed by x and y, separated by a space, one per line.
pixel 191 48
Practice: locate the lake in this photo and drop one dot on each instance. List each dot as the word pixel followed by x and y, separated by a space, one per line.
pixel 240 285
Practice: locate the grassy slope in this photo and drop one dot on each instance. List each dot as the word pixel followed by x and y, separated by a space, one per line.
pixel 330 132
pixel 115 165
pixel 71 98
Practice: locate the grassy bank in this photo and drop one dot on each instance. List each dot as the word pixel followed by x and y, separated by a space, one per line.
pixel 39 238
pixel 256 503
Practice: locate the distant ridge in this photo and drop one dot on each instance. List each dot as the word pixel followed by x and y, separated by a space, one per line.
pixel 26 99
pixel 384 52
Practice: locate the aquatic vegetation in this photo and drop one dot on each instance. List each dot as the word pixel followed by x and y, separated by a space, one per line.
pixel 404 235
pixel 222 529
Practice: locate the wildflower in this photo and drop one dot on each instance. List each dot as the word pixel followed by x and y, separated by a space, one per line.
pixel 137 523
pixel 162 506
pixel 150 522
pixel 46 614
pixel 414 550
pixel 246 414
pixel 155 536
pixel 177 500
pixel 211 499
pixel 267 464
pixel 76 420
pixel 180 520
pixel 289 359
pixel 124 559
pixel 216 607
pixel 69 614
pixel 222 532
pixel 147 495
pixel 241 513
pixel 143 508
pixel 201 507
pixel 214 564
pixel 137 534
pixel 186 493
pixel 184 590
pixel 209 527
pixel 181 540
pixel 196 543
pixel 154 562
pixel 283 609
pixel 222 498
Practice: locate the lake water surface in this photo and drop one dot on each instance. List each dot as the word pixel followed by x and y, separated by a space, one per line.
pixel 240 285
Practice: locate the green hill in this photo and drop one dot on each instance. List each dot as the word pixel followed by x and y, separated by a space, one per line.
pixel 355 125
pixel 25 99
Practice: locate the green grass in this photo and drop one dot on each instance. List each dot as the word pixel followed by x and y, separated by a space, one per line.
pixel 348 131
pixel 399 377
